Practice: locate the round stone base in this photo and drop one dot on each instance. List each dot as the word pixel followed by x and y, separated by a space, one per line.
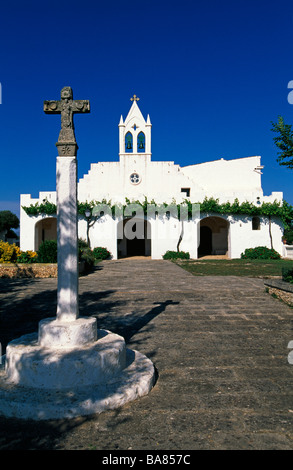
pixel 54 333
pixel 32 365
pixel 134 381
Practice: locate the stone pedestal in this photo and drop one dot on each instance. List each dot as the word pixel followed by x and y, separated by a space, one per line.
pixel 70 369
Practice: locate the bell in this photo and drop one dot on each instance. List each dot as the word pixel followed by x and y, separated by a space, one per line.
pixel 141 146
pixel 129 146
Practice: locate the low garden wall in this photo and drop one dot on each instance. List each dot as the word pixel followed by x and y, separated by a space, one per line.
pixel 281 289
pixel 32 270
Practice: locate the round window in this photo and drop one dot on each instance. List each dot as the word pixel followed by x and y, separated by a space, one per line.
pixel 135 178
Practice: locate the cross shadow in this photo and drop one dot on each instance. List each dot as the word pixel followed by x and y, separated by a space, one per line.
pixel 110 314
pixel 148 317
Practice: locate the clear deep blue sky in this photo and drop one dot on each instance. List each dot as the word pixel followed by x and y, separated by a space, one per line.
pixel 211 74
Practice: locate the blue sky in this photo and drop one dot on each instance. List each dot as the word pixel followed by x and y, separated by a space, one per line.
pixel 211 74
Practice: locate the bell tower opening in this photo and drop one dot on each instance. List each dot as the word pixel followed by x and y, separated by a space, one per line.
pixel 128 142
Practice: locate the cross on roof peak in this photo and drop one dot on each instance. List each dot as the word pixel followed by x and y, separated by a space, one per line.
pixel 134 98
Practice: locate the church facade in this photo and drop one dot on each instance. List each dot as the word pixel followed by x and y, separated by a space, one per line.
pixel 135 177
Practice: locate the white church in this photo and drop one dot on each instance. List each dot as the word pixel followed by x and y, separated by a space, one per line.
pixel 135 177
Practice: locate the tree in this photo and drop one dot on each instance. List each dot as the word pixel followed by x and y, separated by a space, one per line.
pixel 284 141
pixel 8 220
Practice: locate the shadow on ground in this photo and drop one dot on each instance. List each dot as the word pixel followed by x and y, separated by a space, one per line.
pixel 23 305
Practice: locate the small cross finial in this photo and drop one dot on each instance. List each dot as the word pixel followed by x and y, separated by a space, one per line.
pixel 134 98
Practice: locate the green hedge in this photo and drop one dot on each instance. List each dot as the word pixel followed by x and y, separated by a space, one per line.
pixel 176 255
pixel 260 252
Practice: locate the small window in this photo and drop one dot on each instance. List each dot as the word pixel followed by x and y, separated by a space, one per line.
pixel 135 178
pixel 128 142
pixel 255 223
pixel 186 191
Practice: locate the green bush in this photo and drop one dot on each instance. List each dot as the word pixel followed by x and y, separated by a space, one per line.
pixel 101 253
pixel 85 254
pixel 47 253
pixel 287 275
pixel 260 252
pixel 27 257
pixel 176 255
pixel 82 244
pixel 288 236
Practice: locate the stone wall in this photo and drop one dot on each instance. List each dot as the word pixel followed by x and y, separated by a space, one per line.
pixel 35 270
pixel 280 289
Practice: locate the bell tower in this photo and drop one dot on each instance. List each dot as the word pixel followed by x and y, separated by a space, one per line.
pixel 135 133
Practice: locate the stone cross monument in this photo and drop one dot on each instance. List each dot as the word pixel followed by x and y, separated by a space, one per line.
pixel 66 189
pixel 69 367
pixel 67 107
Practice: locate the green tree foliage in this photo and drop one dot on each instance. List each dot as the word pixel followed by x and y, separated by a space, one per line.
pixel 284 142
pixel 8 220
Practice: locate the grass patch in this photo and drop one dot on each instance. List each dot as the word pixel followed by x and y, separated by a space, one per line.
pixel 235 267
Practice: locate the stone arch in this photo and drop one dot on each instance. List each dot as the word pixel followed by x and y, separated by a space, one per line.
pixel 214 236
pixel 45 229
pixel 135 237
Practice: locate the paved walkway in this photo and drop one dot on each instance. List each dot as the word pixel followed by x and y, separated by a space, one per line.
pixel 219 345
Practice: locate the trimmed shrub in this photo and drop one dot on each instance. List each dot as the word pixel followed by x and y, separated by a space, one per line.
pixel 260 252
pixel 47 253
pixel 176 255
pixel 101 253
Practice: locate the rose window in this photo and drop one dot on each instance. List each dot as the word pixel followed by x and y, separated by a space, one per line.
pixel 135 178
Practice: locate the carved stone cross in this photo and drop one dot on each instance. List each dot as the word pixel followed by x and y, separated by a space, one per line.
pixel 67 107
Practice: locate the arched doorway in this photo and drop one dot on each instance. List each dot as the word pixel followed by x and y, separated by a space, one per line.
pixel 205 247
pixel 134 237
pixel 214 236
pixel 45 229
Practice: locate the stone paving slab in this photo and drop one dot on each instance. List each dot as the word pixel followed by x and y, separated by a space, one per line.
pixel 219 345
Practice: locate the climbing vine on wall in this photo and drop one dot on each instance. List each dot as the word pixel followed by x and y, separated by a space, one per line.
pixel 283 210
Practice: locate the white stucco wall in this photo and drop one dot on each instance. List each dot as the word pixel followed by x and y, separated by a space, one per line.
pixel 242 236
pixel 28 235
